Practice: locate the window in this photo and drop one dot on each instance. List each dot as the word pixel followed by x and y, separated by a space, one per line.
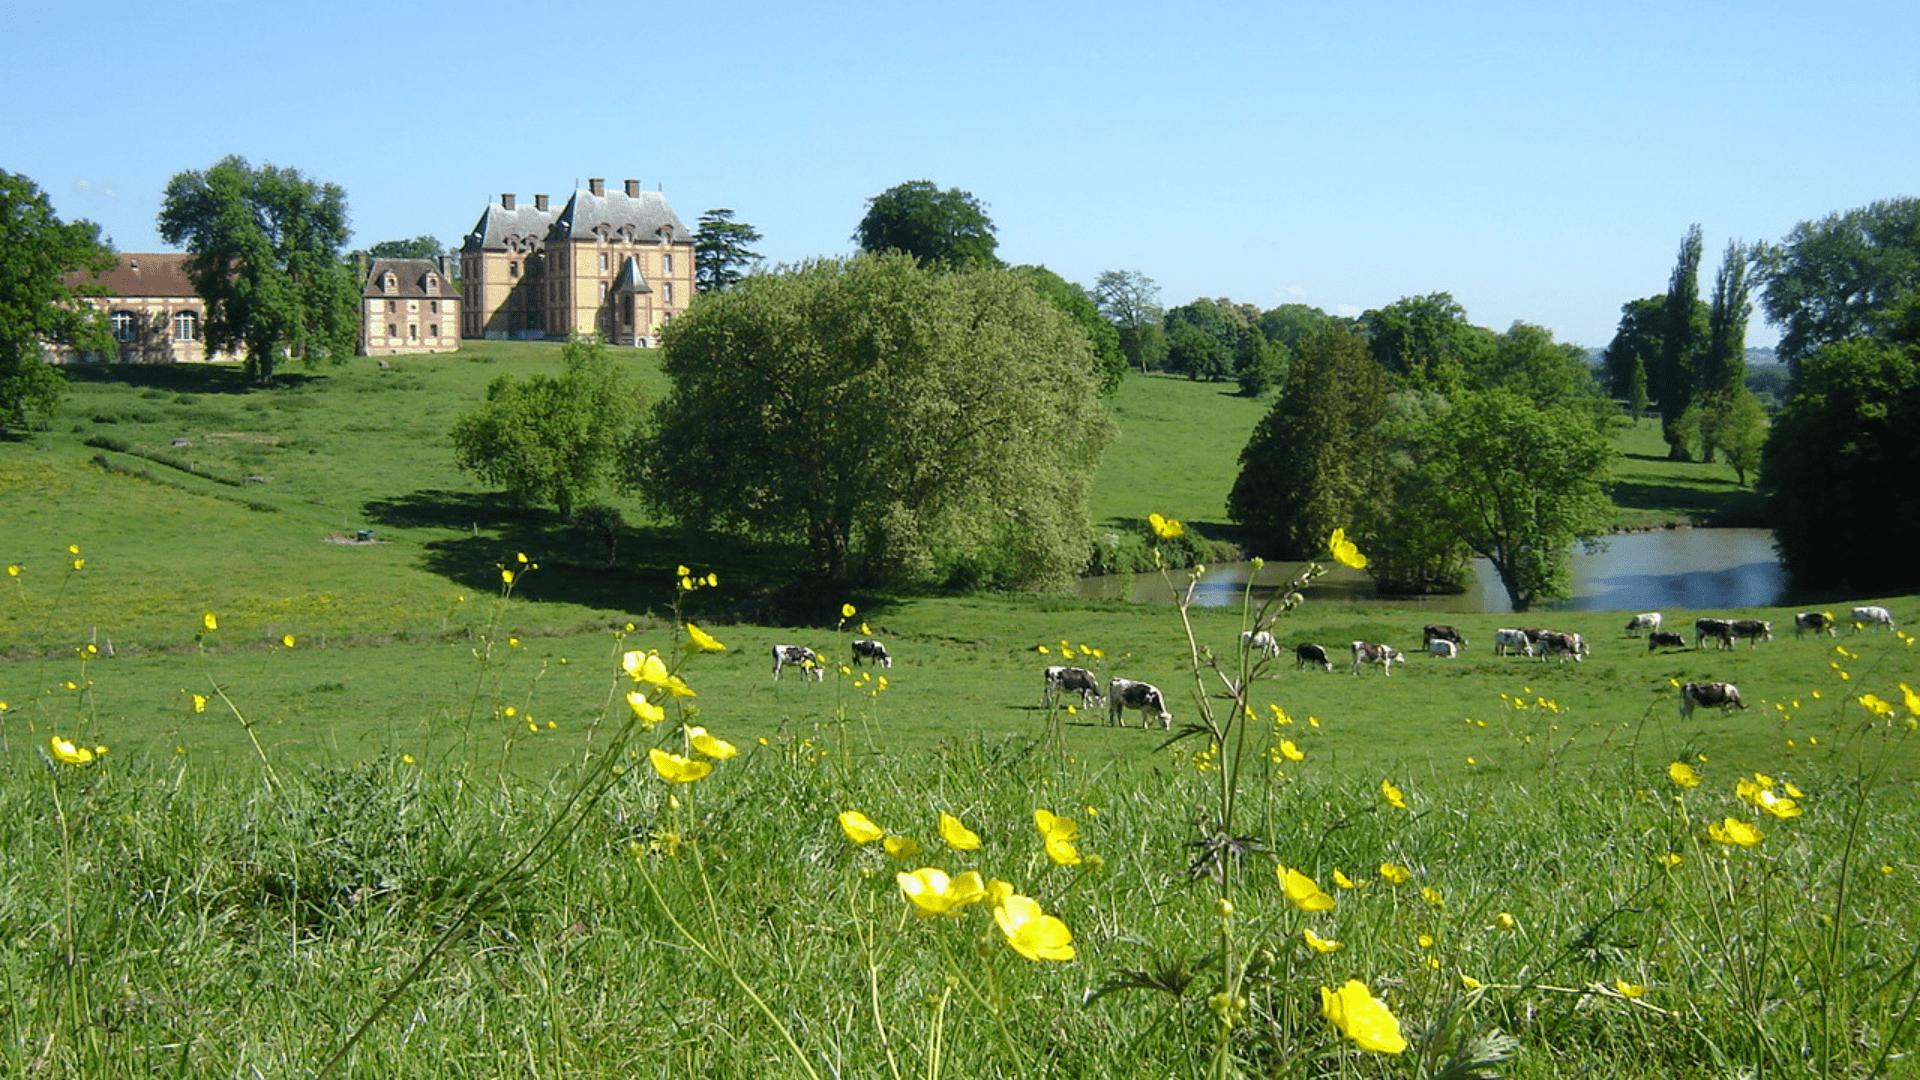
pixel 433 284
pixel 123 325
pixel 389 283
pixel 513 269
pixel 603 290
pixel 666 291
pixel 434 330
pixel 413 331
pixel 603 262
pixel 185 326
pixel 435 305
pixel 389 305
pixel 392 330
pixel 666 263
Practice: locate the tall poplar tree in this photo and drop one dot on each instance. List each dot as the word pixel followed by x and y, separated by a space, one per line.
pixel 1671 378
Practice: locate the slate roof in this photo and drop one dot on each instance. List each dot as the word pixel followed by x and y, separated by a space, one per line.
pixel 143 275
pixel 523 228
pixel 630 278
pixel 412 279
pixel 619 216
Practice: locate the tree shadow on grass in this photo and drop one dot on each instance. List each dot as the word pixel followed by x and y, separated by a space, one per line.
pixel 1716 503
pixel 187 378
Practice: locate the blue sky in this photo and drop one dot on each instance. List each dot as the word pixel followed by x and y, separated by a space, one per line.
pixel 1540 161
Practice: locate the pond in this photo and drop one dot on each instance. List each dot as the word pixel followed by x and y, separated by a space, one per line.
pixel 1705 569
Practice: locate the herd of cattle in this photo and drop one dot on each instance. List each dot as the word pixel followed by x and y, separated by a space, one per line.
pixel 1438 640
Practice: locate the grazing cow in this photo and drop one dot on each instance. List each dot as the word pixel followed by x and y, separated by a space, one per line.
pixel 1665 639
pixel 1065 680
pixel 1442 648
pixel 1259 641
pixel 1563 646
pixel 1504 640
pixel 1124 694
pixel 1384 655
pixel 1754 630
pixel 871 650
pixel 1872 616
pixel 1713 695
pixel 1437 632
pixel 1816 621
pixel 798 656
pixel 1305 654
pixel 1650 621
pixel 1713 628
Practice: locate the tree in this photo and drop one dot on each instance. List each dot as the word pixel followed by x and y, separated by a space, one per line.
pixel 37 305
pixel 1410 549
pixel 1202 338
pixel 1529 362
pixel 1131 301
pixel 1635 348
pixel 267 249
pixel 942 228
pixel 1309 465
pixel 420 247
pixel 721 251
pixel 1731 421
pixel 1109 364
pixel 1518 484
pixel 1671 378
pixel 906 424
pixel 1426 340
pixel 551 440
pixel 1823 283
pixel 1259 365
pixel 1723 365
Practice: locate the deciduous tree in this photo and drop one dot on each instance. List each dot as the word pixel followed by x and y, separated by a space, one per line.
pixel 267 249
pixel 1426 340
pixel 1683 334
pixel 721 250
pixel 37 306
pixel 1823 283
pixel 1109 364
pixel 1131 301
pixel 902 422
pixel 420 247
pixel 947 228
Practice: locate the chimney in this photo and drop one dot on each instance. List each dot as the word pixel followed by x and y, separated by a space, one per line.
pixel 540 201
pixel 506 201
pixel 446 268
pixel 597 185
pixel 633 189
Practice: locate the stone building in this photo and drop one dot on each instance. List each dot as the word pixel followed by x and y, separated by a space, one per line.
pixel 616 263
pixel 408 306
pixel 155 315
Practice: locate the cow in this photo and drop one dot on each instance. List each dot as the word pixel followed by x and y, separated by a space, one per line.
pixel 1442 648
pixel 1872 616
pixel 1506 639
pixel 1064 680
pixel 871 650
pixel 1754 630
pixel 1259 641
pixel 1563 646
pixel 1437 632
pixel 1384 655
pixel 1649 621
pixel 1304 654
pixel 1817 621
pixel 1712 695
pixel 798 656
pixel 1124 694
pixel 1665 639
pixel 1713 628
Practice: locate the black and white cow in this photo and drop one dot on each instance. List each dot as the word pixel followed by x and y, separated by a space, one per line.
pixel 1720 629
pixel 1561 645
pixel 1438 632
pixel 1384 655
pixel 1665 639
pixel 1259 641
pixel 1506 640
pixel 1442 648
pixel 1307 653
pixel 1817 621
pixel 1124 694
pixel 1872 616
pixel 798 656
pixel 1712 695
pixel 1648 621
pixel 1754 630
pixel 871 650
pixel 1071 680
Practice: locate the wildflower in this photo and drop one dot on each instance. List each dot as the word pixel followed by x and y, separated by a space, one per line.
pixel 1032 934
pixel 79 564
pixel 678 688
pixel 645 667
pixel 1058 834
pixel 209 621
pixel 1629 990
pixel 1165 528
pixel 1505 921
pixel 1342 880
pixel 859 828
pixel 1290 751
pixel 1777 806
pixel 13 570
pixel 1360 1016
pixel 1432 896
pixel 199 703
pixel 1470 982
pixel 647 712
pixel 513 643
pixel 1734 832
pixel 1683 774
pixel 676 769
pixel 1912 700
pixel 901 847
pixel 1303 892
pixel 406 759
pixel 1319 944
pixel 506 576
pixel 287 640
pixel 1344 552
pixel 957 836
pixel 1875 705
pixel 846 611
pixel 1042 649
pixel 68 753
pixel 1392 795
pixel 1395 875
pixel 718 749
pixel 1671 859
pixel 934 893
pixel 1223 908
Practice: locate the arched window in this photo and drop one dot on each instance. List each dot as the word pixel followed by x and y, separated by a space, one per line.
pixel 389 283
pixel 123 323
pixel 186 326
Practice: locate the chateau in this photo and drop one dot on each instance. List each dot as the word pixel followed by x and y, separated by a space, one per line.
pixel 407 306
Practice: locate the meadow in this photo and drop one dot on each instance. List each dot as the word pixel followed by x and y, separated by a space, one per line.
pixel 385 808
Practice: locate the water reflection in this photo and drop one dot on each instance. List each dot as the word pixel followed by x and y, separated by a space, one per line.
pixel 1684 568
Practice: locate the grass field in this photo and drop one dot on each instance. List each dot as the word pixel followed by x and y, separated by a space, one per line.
pixel 433 814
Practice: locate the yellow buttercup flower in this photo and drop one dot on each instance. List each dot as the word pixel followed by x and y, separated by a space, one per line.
pixel 718 749
pixel 1393 795
pixel 676 769
pixel 1629 990
pixel 1683 774
pixel 13 570
pixel 645 667
pixel 1360 1016
pixel 1777 806
pixel 1734 831
pixel 648 712
pixel 1344 552
pixel 1432 896
pixel 1290 751
pixel 1319 944
pixel 1395 875
pixel 1301 889
pixel 1912 699
pixel 1058 834
pixel 901 847
pixel 209 621
pixel 677 688
pixel 287 640
pixel 957 836
pixel 934 893
pixel 1470 982
pixel 1505 921
pixel 68 753
pixel 1875 705
pixel 199 703
pixel 846 611
pixel 704 640
pixel 1062 852
pixel 1342 880
pixel 1165 528
pixel 1671 859
pixel 859 828
pixel 1033 934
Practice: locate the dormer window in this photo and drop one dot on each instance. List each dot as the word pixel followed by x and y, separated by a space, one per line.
pixel 389 283
pixel 433 284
